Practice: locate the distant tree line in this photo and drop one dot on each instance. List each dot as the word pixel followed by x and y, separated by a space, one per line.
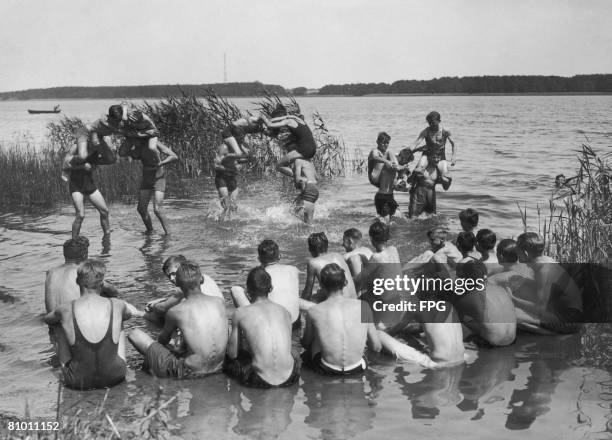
pixel 155 91
pixel 600 83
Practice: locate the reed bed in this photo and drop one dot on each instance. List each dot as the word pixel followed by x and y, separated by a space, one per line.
pixel 191 126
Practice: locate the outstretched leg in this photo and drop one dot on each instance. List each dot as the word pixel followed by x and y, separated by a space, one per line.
pixel 79 213
pixel 143 208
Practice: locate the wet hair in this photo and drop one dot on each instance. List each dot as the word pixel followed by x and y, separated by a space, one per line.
pixel 76 248
pixel 531 243
pixel 268 251
pixel 472 270
pixel 437 233
pixel 279 110
pixel 379 232
pixel 486 239
pixel 405 156
pixel 506 251
pixel 469 216
pixel 90 274
pixel 433 116
pixel 188 275
pixel 115 112
pixel 172 260
pixel 353 233
pixel 259 282
pixel 317 242
pixel 332 277
pixel 383 137
pixel 465 241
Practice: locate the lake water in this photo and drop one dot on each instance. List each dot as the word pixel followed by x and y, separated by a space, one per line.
pixel 509 150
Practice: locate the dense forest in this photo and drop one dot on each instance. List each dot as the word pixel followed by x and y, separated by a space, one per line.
pixel 480 84
pixel 155 91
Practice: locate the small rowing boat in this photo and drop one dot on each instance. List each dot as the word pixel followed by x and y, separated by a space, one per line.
pixel 56 109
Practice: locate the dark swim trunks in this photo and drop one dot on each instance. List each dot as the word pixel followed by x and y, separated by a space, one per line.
pixel 81 181
pixel 224 180
pixel 161 362
pixel 242 369
pixel 385 204
pixel 153 179
pixel 318 366
pixel 422 199
pixel 310 193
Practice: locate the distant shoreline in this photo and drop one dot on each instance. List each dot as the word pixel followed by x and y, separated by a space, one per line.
pixel 332 96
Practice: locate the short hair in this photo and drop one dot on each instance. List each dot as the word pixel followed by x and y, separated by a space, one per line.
pixel 259 282
pixel 433 116
pixel 317 242
pixel 172 260
pixel 472 270
pixel 405 156
pixel 506 251
pixel 353 233
pixel 332 277
pixel 379 232
pixel 465 241
pixel 76 248
pixel 531 243
pixel 268 251
pixel 279 110
pixel 437 233
pixel 90 274
pixel 115 112
pixel 383 137
pixel 188 275
pixel 486 239
pixel 469 216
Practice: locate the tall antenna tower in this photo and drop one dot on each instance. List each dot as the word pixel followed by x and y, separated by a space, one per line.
pixel 224 68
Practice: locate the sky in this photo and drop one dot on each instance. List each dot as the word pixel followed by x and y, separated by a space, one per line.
pixel 296 43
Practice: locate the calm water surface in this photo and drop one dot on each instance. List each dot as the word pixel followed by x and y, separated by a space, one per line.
pixel 510 148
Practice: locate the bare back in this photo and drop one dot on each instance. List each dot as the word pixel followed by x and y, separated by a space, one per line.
pixel 317 264
pixel 285 287
pixel 203 321
pixel 60 286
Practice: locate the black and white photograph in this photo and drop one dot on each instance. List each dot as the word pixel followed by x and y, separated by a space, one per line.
pixel 306 219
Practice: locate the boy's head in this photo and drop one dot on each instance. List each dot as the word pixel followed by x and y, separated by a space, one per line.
pixel 506 251
pixel 171 265
pixel 433 118
pixel 466 242
pixel 485 240
pixel 333 278
pixel 115 114
pixel 259 283
pixel 188 275
pixel 351 239
pixel 379 233
pixel 468 219
pixel 405 156
pixel 529 246
pixel 76 249
pixel 437 237
pixel 90 274
pixel 382 141
pixel 317 243
pixel 559 180
pixel 268 252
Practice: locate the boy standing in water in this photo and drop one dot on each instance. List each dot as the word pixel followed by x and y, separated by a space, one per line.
pixel 304 175
pixel 423 192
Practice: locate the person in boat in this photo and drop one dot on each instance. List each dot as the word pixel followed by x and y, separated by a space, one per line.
pixel 338 329
pixel 265 361
pixel 90 318
pixel 153 183
pixel 202 321
pixel 92 148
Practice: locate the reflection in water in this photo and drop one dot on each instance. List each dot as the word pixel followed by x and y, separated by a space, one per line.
pixel 339 407
pixel 438 388
pixel 263 414
pixel 491 368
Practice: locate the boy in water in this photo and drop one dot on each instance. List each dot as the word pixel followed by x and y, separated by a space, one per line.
pixel 465 244
pixel 485 243
pixel 136 126
pixel 356 254
pixel 226 169
pixel 304 175
pixel 235 133
pixel 423 192
pixel 468 219
pixel 382 172
pixel 435 137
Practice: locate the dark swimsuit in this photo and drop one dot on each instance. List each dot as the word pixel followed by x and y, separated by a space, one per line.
pixel 304 141
pixel 153 176
pixel 385 204
pixel 227 177
pixel 82 180
pixel 242 369
pixel 239 133
pixel 94 365
pixel 310 193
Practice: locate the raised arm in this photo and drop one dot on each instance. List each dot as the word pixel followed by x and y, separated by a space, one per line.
pixel 454 149
pixel 278 122
pixel 418 140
